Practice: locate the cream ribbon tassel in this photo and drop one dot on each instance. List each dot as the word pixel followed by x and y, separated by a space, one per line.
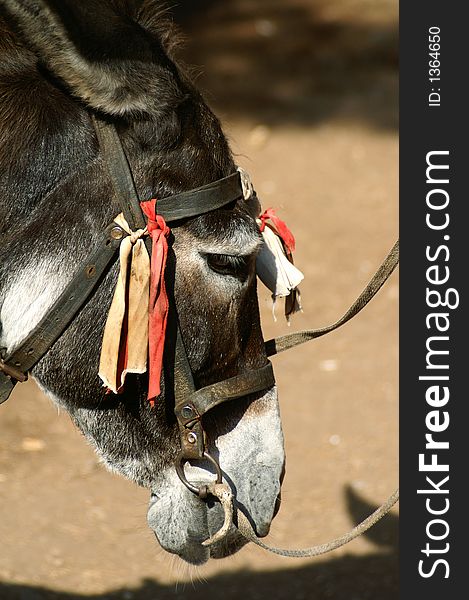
pixel 273 267
pixel 126 330
pixel 275 271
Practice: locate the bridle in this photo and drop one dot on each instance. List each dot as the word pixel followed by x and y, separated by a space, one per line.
pixel 190 403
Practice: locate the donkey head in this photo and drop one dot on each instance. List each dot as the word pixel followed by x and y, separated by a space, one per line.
pixel 61 61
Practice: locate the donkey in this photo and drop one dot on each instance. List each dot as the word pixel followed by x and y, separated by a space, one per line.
pixel 60 62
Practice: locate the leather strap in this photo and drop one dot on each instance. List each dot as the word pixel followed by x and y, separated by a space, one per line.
pixel 285 342
pixel 191 433
pixel 243 384
pixel 192 203
pixel 16 365
pixel 201 200
pixel 121 175
pixel 191 405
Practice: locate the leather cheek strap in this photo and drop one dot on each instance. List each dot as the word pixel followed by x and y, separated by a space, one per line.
pixel 190 407
pixel 15 366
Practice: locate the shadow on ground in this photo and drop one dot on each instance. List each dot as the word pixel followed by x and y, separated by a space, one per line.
pixel 372 576
pixel 294 62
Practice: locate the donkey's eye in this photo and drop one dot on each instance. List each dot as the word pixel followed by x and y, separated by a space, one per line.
pixel 229 264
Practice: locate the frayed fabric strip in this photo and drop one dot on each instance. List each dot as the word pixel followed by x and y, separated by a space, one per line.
pixel 125 341
pixel 159 304
pixel 275 268
pixel 135 330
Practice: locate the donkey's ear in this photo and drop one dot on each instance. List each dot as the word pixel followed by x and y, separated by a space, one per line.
pixel 103 56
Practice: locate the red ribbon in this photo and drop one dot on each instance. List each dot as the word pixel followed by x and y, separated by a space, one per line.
pixel 279 227
pixel 159 304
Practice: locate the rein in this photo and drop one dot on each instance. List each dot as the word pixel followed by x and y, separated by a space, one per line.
pixel 279 344
pixel 285 342
pixel 190 403
pixel 247 531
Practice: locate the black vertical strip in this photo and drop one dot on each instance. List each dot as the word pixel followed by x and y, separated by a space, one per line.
pixel 433 273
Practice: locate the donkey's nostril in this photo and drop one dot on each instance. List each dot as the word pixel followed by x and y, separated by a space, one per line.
pixel 278 501
pixel 282 474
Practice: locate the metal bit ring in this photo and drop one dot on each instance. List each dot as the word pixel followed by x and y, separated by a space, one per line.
pixel 202 490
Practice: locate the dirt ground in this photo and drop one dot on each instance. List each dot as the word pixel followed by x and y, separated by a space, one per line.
pixel 307 91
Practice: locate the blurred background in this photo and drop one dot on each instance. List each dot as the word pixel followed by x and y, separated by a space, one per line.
pixel 307 91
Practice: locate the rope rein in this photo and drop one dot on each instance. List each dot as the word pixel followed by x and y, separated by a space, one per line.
pixel 247 531
pixel 286 342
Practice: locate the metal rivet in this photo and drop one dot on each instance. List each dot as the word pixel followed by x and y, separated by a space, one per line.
pixel 192 437
pixel 187 412
pixel 117 233
pixel 90 271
